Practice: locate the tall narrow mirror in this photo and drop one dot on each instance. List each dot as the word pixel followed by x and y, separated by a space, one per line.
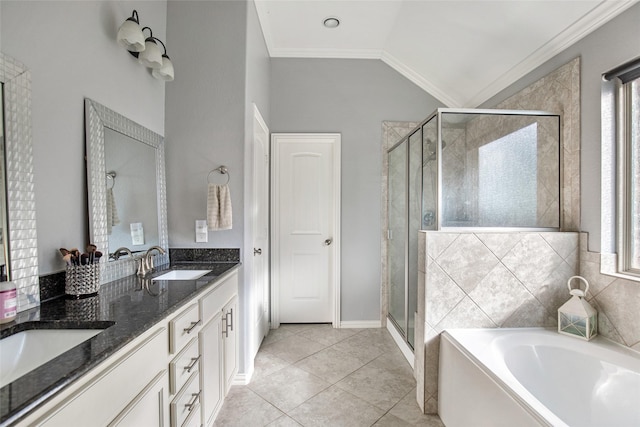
pixel 4 254
pixel 18 202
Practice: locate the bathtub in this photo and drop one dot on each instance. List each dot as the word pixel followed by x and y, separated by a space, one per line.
pixel 535 376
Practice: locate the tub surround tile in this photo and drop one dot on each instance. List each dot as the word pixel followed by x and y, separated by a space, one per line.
pixel 435 247
pixel 621 303
pixel 467 261
pixel 442 289
pixel 499 294
pixel 615 298
pixel 522 285
pixel 531 260
pixel 466 314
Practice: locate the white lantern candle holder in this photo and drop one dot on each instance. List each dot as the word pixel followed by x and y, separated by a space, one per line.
pixel 577 317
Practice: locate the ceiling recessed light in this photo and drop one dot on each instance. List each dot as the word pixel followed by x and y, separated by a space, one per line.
pixel 331 22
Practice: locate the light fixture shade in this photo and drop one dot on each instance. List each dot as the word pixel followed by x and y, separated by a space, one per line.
pixel 165 72
pixel 151 56
pixel 130 36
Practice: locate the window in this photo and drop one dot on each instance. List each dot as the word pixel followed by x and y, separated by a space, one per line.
pixel 627 106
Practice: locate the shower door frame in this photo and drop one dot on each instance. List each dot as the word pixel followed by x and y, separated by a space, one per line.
pixel 437 114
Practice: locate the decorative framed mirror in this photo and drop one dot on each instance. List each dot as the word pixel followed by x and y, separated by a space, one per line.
pixel 126 189
pixel 19 238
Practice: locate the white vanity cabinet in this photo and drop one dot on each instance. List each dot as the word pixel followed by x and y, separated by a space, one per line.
pixel 122 390
pixel 218 345
pixel 175 374
pixel 230 342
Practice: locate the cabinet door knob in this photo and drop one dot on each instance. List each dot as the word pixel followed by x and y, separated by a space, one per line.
pixel 257 251
pixel 328 242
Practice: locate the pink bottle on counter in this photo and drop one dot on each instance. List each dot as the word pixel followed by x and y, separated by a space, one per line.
pixel 8 302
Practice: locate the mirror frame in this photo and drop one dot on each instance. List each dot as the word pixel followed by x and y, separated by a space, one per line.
pixel 97 117
pixel 21 198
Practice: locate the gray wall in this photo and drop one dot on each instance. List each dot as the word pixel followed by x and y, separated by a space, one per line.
pixel 205 115
pixel 71 50
pixel 611 45
pixel 223 69
pixel 352 97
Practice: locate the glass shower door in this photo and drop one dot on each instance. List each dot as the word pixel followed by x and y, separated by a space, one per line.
pixel 397 235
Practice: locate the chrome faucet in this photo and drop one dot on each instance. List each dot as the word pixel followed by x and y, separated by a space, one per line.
pixel 146 261
pixel 118 252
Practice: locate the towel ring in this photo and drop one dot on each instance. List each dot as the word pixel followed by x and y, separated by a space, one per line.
pixel 223 171
pixel 111 175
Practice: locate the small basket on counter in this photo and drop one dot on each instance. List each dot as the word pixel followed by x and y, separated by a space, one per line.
pixel 82 279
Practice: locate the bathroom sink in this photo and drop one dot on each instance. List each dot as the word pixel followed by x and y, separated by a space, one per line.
pixel 182 275
pixel 24 351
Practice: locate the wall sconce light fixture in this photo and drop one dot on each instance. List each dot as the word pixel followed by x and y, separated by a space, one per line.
pixel 131 37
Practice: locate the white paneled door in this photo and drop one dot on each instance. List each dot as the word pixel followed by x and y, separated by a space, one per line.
pixel 305 227
pixel 260 225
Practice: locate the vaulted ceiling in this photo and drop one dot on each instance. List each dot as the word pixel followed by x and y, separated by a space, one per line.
pixel 461 52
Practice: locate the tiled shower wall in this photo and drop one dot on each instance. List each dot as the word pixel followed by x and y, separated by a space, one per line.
pixel 486 280
pixel 616 299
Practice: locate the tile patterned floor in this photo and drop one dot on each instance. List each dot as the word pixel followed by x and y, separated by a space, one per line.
pixel 314 375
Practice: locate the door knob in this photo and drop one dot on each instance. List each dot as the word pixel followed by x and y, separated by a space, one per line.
pixel 328 242
pixel 257 251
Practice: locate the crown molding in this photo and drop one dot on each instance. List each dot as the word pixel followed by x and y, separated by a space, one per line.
pixel 441 94
pixel 590 22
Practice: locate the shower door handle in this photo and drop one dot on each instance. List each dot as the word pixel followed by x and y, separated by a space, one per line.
pixel 328 242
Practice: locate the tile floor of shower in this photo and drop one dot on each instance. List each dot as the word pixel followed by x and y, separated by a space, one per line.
pixel 315 375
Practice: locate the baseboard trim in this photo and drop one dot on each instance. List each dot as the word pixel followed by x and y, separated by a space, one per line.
pixel 242 378
pixel 360 324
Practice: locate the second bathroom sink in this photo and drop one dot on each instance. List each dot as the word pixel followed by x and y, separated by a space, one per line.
pixel 182 275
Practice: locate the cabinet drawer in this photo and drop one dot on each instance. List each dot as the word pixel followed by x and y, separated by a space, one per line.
pixel 186 402
pixel 183 365
pixel 193 420
pixel 183 327
pixel 212 303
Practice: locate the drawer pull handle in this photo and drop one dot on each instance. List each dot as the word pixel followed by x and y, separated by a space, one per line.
pixel 231 321
pixel 194 362
pixel 191 404
pixel 190 328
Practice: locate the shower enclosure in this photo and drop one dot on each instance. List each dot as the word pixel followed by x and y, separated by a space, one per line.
pixel 466 169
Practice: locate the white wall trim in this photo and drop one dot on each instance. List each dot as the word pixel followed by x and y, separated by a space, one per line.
pixel 591 21
pixel 419 80
pixel 360 324
pixel 598 16
pixel 243 378
pixel 401 343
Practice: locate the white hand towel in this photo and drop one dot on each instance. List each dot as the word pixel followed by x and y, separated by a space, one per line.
pixel 219 207
pixel 112 211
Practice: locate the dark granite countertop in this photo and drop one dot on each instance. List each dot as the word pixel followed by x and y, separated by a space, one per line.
pixel 124 308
